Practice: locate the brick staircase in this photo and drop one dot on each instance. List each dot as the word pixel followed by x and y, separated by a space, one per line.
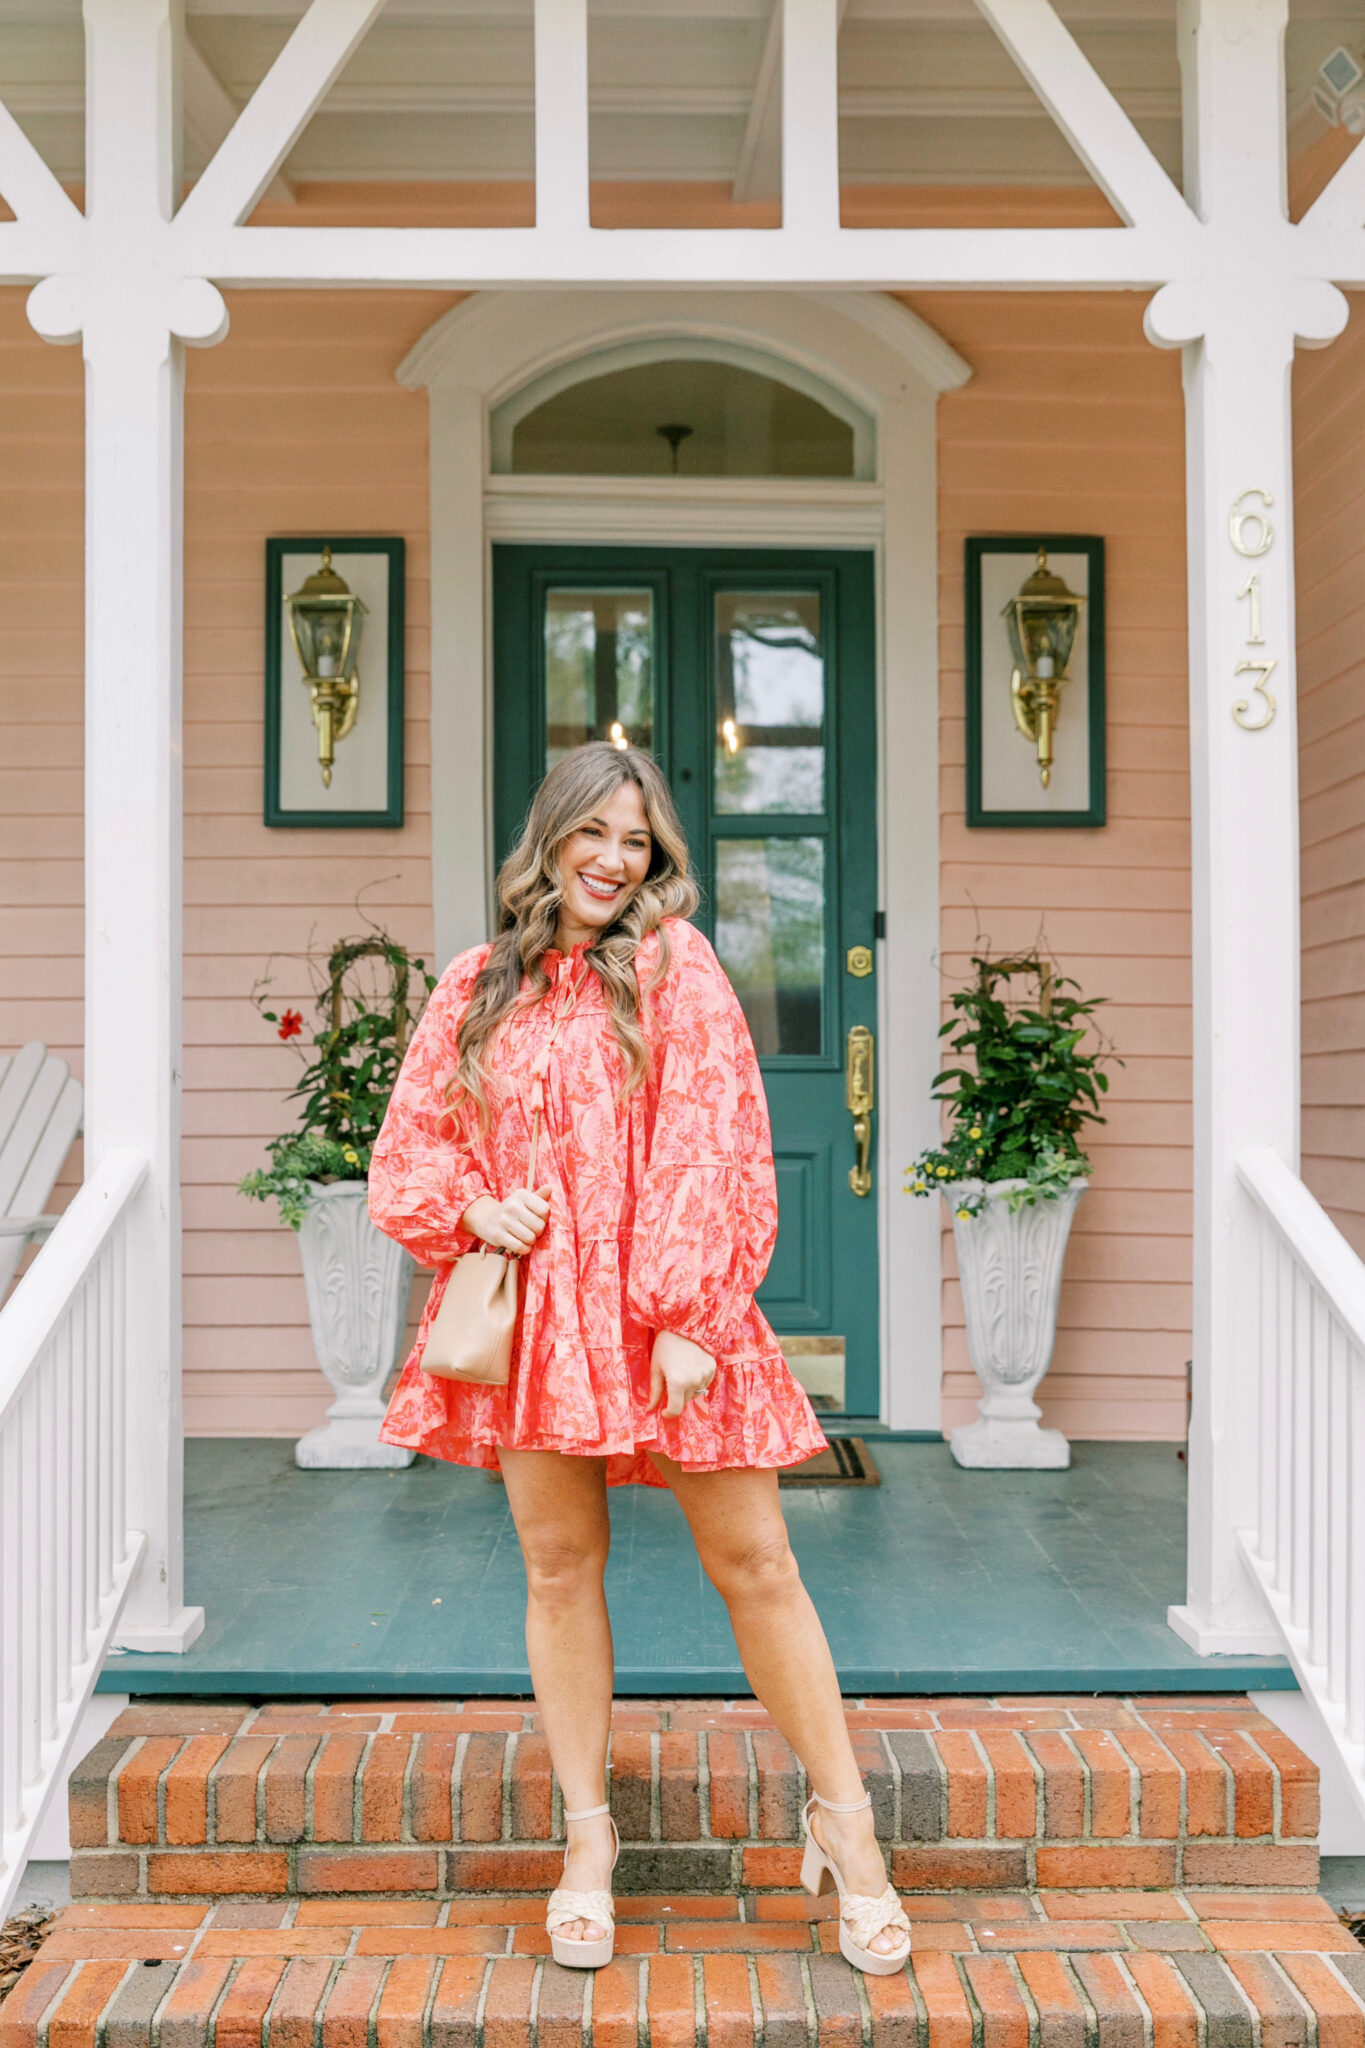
pixel 1080 1873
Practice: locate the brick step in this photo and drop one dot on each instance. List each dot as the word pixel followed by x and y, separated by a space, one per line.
pixel 442 1799
pixel 1054 1970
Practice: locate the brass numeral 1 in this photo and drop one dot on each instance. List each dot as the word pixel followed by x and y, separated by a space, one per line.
pixel 1252 589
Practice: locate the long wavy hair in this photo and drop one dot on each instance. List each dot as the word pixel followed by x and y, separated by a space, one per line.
pixel 530 891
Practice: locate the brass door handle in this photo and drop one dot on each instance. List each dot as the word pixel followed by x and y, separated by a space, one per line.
pixel 860 1094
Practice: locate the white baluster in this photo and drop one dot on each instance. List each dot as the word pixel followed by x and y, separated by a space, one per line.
pixel 1267 1490
pixel 1283 1415
pixel 30 1569
pixel 118 1491
pixel 62 1495
pixel 1354 1515
pixel 1301 1556
pixel 1336 1561
pixel 86 1507
pixel 1319 1485
pixel 11 1618
pixel 46 1517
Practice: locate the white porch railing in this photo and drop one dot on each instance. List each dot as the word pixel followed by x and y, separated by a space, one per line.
pixel 68 1554
pixel 1308 1548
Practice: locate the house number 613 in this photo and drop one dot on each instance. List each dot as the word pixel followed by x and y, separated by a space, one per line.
pixel 1252 534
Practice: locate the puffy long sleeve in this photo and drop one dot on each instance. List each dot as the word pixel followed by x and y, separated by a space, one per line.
pixel 706 1220
pixel 424 1172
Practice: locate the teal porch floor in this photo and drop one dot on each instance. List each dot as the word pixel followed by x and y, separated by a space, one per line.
pixel 939 1580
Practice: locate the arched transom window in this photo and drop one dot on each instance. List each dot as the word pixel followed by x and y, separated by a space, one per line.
pixel 684 408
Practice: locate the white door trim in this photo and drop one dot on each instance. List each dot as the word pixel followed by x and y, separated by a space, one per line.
pixel 887 361
pixel 683 511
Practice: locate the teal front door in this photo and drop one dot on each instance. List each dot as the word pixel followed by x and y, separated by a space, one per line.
pixel 749 675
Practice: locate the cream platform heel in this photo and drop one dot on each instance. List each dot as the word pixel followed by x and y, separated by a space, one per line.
pixel 565 1905
pixel 861 1919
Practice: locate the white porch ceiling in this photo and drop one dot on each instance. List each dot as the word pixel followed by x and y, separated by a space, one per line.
pixel 679 89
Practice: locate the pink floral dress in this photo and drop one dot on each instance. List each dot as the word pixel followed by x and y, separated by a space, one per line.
pixel 663 1215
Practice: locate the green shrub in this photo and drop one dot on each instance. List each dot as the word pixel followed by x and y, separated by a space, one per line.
pixel 1015 1112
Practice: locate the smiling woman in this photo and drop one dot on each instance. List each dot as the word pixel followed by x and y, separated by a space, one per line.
pixel 599 1035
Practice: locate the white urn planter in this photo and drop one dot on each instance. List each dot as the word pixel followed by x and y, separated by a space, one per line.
pixel 358 1283
pixel 1010 1262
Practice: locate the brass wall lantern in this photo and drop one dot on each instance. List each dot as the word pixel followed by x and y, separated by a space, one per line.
pixel 326 620
pixel 1042 622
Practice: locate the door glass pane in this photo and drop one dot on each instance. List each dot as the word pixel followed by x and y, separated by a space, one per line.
pixel 770 702
pixel 818 1363
pixel 599 669
pixel 770 935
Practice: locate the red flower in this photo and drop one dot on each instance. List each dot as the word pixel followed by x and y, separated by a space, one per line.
pixel 291 1024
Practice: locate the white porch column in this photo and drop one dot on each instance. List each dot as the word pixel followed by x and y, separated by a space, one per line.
pixel 1238 328
pixel 124 306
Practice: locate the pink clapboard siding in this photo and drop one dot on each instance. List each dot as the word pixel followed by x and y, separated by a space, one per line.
pixel 296 423
pixel 42 513
pixel 1329 493
pixel 1073 423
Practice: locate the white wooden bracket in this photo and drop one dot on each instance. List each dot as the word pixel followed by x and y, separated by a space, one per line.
pixel 211 112
pixel 29 187
pixel 277 113
pixel 1088 115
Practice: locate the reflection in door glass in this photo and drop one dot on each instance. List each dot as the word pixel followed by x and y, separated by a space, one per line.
pixel 819 1364
pixel 770 702
pixel 770 935
pixel 599 669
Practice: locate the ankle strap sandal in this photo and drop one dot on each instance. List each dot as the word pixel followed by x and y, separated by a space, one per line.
pixel 861 1917
pixel 566 1905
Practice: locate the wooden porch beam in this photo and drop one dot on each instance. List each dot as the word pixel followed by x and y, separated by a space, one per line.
pixel 562 139
pixel 810 117
pixel 278 112
pixel 1088 114
pixel 869 259
pixel 758 175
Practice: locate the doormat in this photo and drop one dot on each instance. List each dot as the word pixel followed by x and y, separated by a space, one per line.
pixel 846 1462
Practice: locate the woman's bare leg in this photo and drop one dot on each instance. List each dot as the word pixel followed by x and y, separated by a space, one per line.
pixel 741 1538
pixel 559 1505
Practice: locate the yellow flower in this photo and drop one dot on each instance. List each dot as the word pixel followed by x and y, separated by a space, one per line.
pixel 975 1131
pixel 921 1187
pixel 942 1172
pixel 963 1215
pixel 351 1158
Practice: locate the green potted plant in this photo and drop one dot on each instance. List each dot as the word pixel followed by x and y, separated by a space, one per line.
pixel 1012 1171
pixel 357 1280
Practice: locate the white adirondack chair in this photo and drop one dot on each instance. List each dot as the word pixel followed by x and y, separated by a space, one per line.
pixel 40 1114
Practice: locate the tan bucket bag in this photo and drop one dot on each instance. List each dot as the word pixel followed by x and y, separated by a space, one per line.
pixel 471 1338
